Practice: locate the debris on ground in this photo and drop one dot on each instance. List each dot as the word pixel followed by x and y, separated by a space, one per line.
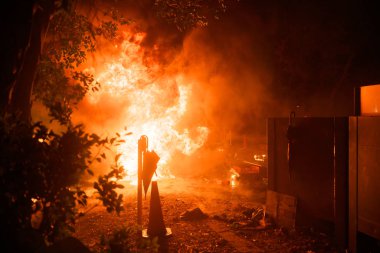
pixel 193 215
pixel 237 222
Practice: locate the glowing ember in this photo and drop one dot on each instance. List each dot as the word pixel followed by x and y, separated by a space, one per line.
pixel 234 178
pixel 155 105
pixel 259 158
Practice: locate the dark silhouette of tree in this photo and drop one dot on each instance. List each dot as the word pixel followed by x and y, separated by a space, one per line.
pixel 45 41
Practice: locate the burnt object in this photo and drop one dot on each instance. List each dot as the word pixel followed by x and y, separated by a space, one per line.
pixel 193 215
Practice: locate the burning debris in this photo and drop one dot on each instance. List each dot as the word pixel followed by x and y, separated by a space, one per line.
pixel 234 178
pixel 260 158
pixel 246 173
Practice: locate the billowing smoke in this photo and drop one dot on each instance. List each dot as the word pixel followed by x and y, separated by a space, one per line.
pixel 221 72
pixel 230 94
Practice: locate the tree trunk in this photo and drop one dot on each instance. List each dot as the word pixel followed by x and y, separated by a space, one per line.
pixel 15 25
pixel 19 99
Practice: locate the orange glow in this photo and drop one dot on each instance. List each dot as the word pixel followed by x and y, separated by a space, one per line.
pixel 155 103
pixel 370 100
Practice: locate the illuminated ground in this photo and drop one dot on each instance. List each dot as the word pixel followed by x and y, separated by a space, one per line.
pixel 226 229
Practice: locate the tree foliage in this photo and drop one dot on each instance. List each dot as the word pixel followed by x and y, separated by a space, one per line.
pixel 40 169
pixel 39 178
pixel 188 14
pixel 60 82
pixel 106 186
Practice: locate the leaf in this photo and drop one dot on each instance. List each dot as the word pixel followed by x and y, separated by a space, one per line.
pixel 90 172
pixel 117 157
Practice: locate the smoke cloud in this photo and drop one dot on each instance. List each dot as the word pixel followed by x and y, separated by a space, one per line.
pixel 229 72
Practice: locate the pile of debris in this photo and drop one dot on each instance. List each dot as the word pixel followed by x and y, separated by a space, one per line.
pixel 239 218
pixel 246 218
pixel 193 215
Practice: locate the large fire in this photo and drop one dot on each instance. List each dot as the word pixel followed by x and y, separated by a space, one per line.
pixel 156 103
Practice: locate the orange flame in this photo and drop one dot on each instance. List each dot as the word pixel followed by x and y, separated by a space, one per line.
pixel 156 104
pixel 234 178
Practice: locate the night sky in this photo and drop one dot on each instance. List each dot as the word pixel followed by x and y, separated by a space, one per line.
pixel 309 54
pixel 316 51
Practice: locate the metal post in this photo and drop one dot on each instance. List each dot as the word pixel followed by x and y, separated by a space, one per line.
pixel 142 148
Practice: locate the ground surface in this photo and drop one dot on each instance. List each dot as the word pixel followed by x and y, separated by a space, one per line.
pixel 235 221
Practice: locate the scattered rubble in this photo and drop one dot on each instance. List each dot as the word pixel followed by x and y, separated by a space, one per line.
pixel 235 224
